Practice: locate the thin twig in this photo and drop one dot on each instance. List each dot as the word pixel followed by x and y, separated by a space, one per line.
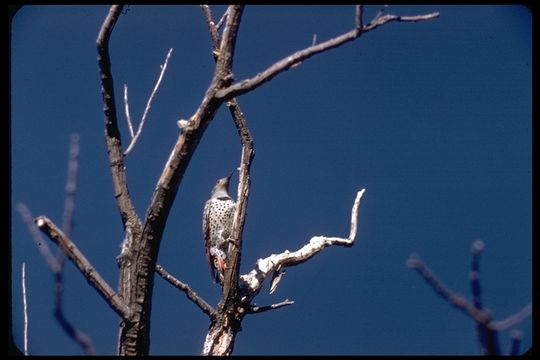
pixel 381 20
pixel 25 311
pixel 259 309
pixel 83 265
pixel 190 294
pixel 148 104
pixel 222 20
pixel 380 13
pixel 212 28
pixel 126 110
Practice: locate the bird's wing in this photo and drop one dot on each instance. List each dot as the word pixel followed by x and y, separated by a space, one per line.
pixel 206 234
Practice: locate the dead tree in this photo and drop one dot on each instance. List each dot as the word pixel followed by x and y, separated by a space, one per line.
pixel 132 301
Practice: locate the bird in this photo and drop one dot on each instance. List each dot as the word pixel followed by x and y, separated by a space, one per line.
pixel 217 225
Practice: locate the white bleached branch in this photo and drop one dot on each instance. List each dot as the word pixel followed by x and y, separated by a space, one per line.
pixel 264 267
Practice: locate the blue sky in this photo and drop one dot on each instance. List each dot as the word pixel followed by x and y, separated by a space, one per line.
pixel 433 119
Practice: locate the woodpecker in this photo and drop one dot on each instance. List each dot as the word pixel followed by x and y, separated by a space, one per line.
pixel 217 227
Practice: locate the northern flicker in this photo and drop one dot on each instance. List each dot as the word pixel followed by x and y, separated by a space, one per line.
pixel 217 226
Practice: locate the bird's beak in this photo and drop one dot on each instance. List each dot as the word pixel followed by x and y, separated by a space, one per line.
pixel 231 174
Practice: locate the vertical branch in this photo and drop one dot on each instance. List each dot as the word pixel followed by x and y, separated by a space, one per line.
pixel 358 17
pixel 112 133
pixel 71 184
pixel 244 183
pixel 487 337
pixel 25 310
pixel 233 266
pixel 213 30
pixel 474 276
pixel 221 335
pixel 69 209
pixel 126 110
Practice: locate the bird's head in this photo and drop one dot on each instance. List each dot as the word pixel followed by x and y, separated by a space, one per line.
pixel 221 189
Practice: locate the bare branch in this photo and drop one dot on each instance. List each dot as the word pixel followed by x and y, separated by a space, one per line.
pixel 512 319
pixel 285 64
pixel 290 61
pixel 482 332
pixel 487 338
pixel 212 28
pixel 71 184
pixel 255 278
pixel 69 209
pixel 25 311
pixel 148 104
pixel 126 109
pixel 474 275
pixel 83 265
pixel 222 20
pixel 379 14
pixel 190 294
pixel 358 17
pixel 248 153
pixel 112 133
pixel 259 309
pixel 414 262
pixel 381 20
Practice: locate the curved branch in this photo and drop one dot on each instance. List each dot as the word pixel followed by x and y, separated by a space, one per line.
pixel 512 319
pixel 190 294
pixel 84 266
pixel 264 267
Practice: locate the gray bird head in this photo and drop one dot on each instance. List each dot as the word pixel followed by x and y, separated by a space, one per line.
pixel 221 189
